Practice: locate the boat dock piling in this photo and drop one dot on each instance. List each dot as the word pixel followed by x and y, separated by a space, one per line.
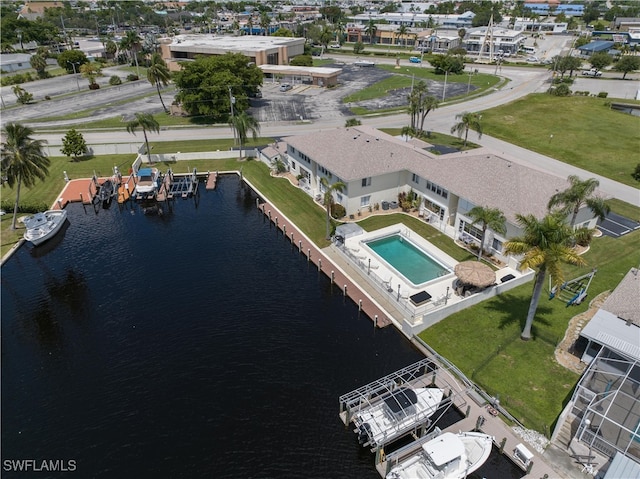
pixel 182 185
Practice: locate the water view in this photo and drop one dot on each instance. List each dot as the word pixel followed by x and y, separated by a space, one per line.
pixel 196 343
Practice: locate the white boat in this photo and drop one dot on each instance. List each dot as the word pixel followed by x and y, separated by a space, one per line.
pixel 396 414
pixel 448 456
pixel 147 182
pixel 42 226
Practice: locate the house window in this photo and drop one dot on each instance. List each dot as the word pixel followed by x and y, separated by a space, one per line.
pixel 365 200
pixel 497 245
pixel 470 230
pixel 415 178
pixel 339 197
pixel 366 181
pixel 293 165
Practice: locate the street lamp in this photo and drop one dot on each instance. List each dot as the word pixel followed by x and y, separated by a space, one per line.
pixel 469 83
pixel 73 64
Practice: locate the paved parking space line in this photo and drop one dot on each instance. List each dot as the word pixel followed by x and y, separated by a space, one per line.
pixel 608 231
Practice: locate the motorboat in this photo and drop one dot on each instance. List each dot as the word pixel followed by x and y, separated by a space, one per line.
pixel 448 456
pixel 43 226
pixel 147 182
pixel 396 414
pixel 105 193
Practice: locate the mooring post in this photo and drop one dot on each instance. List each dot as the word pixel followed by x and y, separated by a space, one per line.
pixel 359 305
pixel 300 245
pixel 308 254
pixel 82 201
pixel 60 200
pixel 276 221
pixel 345 289
pixel 502 443
pixel 479 422
pixel 319 264
pixel 269 215
pixel 375 321
pixel 529 467
pixel 466 414
pixel 258 203
pixel 284 230
pixel 398 292
pixel 332 277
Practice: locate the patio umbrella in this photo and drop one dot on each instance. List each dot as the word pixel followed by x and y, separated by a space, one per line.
pixel 475 273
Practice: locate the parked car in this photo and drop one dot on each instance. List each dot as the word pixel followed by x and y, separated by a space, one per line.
pixel 334 45
pixel 364 63
pixel 594 72
pixel 415 60
pixel 285 87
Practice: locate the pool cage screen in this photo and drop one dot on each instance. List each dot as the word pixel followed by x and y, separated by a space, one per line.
pixel 607 401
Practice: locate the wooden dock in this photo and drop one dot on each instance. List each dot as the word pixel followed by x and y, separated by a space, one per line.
pixel 212 178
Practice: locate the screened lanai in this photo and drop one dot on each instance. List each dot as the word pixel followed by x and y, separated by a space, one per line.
pixel 607 401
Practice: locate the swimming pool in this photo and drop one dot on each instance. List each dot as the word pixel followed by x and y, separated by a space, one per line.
pixel 408 259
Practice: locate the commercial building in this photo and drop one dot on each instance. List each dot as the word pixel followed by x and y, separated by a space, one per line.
pixel 261 50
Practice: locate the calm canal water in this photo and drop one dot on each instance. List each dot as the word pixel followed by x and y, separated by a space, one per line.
pixel 192 344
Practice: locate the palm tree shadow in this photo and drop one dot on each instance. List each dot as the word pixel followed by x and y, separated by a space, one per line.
pixel 512 309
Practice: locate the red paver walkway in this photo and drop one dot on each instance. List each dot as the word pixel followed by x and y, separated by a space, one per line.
pixel 324 264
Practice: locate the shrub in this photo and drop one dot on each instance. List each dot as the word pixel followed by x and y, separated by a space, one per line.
pixel 338 211
pixel 602 94
pixel 24 207
pixel 561 90
pixel 132 77
pixel 636 173
pixel 115 80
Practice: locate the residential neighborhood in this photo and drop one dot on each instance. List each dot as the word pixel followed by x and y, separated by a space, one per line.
pixel 219 217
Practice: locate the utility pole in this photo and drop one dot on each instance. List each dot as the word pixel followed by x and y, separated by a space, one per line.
pixel 232 100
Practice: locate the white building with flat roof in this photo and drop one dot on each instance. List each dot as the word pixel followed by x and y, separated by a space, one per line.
pixel 261 50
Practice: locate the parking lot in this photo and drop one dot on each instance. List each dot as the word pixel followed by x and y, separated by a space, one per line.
pixel 307 102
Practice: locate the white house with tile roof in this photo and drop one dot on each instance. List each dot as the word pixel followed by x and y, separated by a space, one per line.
pixel 377 167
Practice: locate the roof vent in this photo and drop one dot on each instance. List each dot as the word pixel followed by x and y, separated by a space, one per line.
pixel 367 140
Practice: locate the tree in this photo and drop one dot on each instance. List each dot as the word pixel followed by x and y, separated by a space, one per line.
pixel 204 85
pixel 467 121
pixel 73 144
pixel 352 122
pixel 420 104
pixel 546 246
pixel 358 48
pixel 72 59
pixel 21 94
pixel 328 198
pixel 600 60
pixel 627 64
pixel 242 124
pixel 578 195
pixel 282 32
pixel 111 48
pixel 131 42
pixel 158 73
pixel 301 61
pixel 401 32
pixel 39 64
pixel 145 121
pixel 488 218
pixel 90 71
pixel 447 63
pixel 265 22
pixel 23 161
pixel 370 30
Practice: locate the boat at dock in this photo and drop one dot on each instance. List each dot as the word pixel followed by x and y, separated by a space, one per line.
pixel 106 192
pixel 147 183
pixel 396 414
pixel 43 226
pixel 447 456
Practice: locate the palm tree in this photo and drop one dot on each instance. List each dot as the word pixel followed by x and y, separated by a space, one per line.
pixel 242 124
pixel 131 42
pixel 371 30
pixel 401 32
pixel 23 161
pixel 467 120
pixel 146 121
pixel 546 245
pixel 265 22
pixel 489 218
pixel 579 194
pixel 158 73
pixel 420 104
pixel 328 198
pixel 39 64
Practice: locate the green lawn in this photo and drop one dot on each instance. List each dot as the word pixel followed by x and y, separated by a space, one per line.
pixel 436 138
pixel 582 131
